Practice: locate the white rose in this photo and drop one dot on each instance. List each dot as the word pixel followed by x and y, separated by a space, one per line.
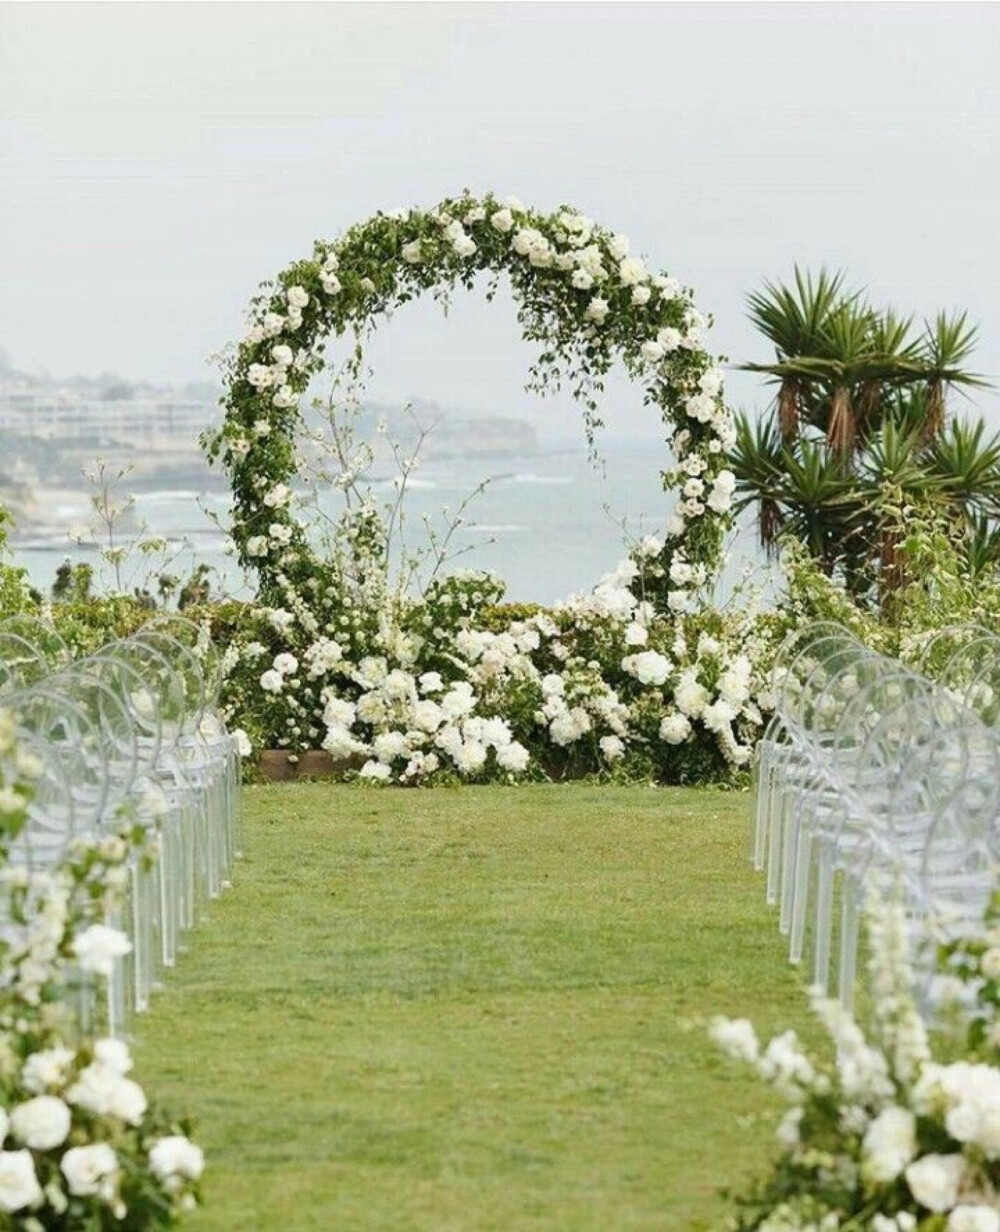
pixel 502 220
pixel 260 376
pixel 297 297
pixel 464 246
pixel 991 964
pixel 282 355
pixel 127 1101
pixel 736 1037
pixel 525 240
pixel 967 1218
pixel 612 748
pixel 700 407
pixel 632 271
pixel 669 338
pixel 690 697
pixel 648 667
pixel 176 1156
pixel 41 1123
pixel 636 634
pixel 286 664
pixel 411 253
pixel 241 742
pixel 278 496
pixel 640 295
pixel 18 1184
pixel 934 1180
pixel 711 382
pixel 674 729
pixel 257 545
pixel 88 1169
pixel 513 757
pixel 618 246
pixel 582 280
pixel 652 351
pixel 46 1069
pixel 284 398
pixel 97 947
pixel 272 681
pixel 597 310
pixel 376 770
pixel 725 481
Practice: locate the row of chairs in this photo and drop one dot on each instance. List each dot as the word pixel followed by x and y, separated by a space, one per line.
pixel 876 777
pixel 130 735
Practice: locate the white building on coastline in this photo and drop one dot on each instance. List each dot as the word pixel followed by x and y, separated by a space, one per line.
pixel 158 421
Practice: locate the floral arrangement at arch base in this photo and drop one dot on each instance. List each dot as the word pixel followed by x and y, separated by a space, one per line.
pixel 885 1137
pixel 81 1149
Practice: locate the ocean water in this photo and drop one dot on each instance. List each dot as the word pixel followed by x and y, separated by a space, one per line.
pixel 549 523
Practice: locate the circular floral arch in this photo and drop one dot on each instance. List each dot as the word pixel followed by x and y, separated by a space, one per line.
pixel 581 296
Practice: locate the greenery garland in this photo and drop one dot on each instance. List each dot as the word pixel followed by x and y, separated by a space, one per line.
pixel 581 296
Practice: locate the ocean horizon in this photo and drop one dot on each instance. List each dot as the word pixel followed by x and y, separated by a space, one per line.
pixel 549 523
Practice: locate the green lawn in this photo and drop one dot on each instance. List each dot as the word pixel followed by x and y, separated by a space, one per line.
pixel 480 1008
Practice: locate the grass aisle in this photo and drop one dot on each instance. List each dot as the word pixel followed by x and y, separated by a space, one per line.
pixel 480 1008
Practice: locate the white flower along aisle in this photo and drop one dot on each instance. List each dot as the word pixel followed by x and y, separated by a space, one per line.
pixel 419 686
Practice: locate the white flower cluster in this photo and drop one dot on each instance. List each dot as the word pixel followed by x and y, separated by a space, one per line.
pixel 75 1126
pixel 597 677
pixel 416 726
pixel 927 1135
pixel 59 1081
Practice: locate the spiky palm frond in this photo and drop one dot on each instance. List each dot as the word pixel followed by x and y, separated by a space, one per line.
pixel 967 462
pixel 982 546
pixel 793 318
pixel 757 462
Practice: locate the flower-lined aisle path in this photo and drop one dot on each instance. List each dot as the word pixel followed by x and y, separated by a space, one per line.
pixel 480 1008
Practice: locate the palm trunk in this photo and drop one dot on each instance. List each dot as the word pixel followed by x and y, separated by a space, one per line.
pixel 769 523
pixel 893 574
pixel 788 408
pixel 840 431
pixel 870 405
pixel 934 411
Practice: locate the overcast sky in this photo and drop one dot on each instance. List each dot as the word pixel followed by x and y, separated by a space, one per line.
pixel 159 160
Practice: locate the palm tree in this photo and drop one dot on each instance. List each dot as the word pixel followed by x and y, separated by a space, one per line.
pixel 861 411
pixel 947 344
pixel 794 320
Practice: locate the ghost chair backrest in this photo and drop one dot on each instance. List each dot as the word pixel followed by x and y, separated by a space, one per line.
pixel 197 640
pixel 797 642
pixel 187 670
pixel 943 644
pixel 26 664
pixel 826 676
pixel 41 634
pixel 39 770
